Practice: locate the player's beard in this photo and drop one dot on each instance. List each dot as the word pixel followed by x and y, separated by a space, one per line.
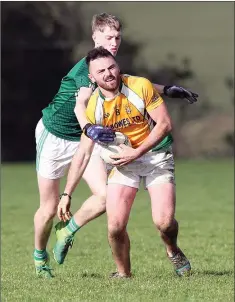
pixel 110 86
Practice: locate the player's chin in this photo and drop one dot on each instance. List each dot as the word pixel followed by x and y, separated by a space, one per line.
pixel 113 52
pixel 112 84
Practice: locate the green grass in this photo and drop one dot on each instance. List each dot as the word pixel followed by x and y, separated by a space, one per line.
pixel 204 209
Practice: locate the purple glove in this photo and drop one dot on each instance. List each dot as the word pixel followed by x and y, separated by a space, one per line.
pixel 181 93
pixel 99 133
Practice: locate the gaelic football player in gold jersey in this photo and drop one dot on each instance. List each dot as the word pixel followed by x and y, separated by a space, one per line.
pixel 132 106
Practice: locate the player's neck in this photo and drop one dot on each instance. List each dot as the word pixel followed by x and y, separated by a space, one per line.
pixel 109 94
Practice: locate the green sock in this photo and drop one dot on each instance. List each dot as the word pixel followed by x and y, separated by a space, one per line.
pixel 72 227
pixel 40 254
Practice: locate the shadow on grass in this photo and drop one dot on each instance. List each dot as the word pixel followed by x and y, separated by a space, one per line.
pixel 196 273
pixel 91 275
pixel 214 273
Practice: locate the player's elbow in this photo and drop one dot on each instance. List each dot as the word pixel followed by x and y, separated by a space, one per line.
pixel 167 125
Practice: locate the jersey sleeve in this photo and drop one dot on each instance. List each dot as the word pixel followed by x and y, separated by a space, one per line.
pixel 151 96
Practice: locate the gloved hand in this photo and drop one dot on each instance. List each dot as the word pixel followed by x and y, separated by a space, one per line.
pixel 99 133
pixel 181 93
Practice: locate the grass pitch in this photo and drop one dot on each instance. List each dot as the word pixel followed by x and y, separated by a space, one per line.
pixel 205 201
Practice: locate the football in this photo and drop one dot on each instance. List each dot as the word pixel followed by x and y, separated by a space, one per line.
pixel 112 148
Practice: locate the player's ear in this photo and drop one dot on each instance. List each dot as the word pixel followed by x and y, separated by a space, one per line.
pixel 94 38
pixel 91 78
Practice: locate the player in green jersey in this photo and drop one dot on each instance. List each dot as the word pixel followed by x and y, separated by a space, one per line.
pixel 57 139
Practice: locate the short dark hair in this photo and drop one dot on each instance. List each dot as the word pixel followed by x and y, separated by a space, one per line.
pixel 96 53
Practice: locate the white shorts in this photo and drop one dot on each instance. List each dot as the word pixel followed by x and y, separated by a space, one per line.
pixel 54 154
pixel 153 167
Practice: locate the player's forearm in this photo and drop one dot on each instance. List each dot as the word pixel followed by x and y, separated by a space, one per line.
pixel 77 167
pixel 160 88
pixel 80 111
pixel 76 171
pixel 159 132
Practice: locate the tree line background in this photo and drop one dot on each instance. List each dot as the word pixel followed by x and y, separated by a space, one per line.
pixel 41 41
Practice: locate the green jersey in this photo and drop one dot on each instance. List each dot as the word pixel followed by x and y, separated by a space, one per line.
pixel 59 117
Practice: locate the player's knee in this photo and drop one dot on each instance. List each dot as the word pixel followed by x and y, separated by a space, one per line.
pixel 48 211
pixel 98 189
pixel 101 194
pixel 103 203
pixel 101 200
pixel 164 224
pixel 116 229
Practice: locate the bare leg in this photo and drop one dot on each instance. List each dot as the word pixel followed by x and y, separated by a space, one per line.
pixel 95 176
pixel 163 211
pixel 43 219
pixel 119 202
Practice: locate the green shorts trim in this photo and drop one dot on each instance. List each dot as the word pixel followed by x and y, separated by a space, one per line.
pixel 40 146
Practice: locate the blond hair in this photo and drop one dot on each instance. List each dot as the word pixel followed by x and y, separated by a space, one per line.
pixel 100 21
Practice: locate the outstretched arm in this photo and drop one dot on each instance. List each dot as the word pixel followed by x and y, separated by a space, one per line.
pixel 177 92
pixel 78 165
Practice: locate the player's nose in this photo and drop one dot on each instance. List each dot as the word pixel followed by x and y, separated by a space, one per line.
pixel 114 42
pixel 108 73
